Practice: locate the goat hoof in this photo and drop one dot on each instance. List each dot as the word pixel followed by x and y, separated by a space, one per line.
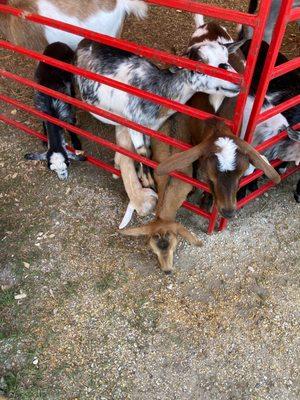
pixel 30 156
pixel 145 177
pixel 168 272
pixel 297 197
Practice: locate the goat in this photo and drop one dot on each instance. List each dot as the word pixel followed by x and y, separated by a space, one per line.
pixel 102 16
pixel 247 32
pixel 163 232
pixel 131 69
pixel 280 89
pixel 222 157
pixel 57 156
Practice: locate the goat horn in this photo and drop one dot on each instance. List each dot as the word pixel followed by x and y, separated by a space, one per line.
pixel 127 217
pixel 182 231
pixel 258 160
pixel 180 160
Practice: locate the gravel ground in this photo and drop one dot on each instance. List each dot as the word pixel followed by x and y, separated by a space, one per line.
pixel 87 314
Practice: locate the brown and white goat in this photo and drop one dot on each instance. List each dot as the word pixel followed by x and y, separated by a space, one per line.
pixel 101 16
pixel 222 157
pixel 163 232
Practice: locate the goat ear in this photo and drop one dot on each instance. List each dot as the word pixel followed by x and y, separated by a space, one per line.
pixel 192 53
pixel 293 134
pixel 182 231
pixel 179 160
pixel 199 20
pixel 139 231
pixel 234 46
pixel 258 160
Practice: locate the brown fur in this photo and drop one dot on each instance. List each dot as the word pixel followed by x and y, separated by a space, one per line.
pixel 30 34
pixel 214 32
pixel 163 231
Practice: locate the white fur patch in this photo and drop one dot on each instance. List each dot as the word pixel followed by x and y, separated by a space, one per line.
pixel 58 165
pixel 227 154
pixel 199 20
pixel 106 22
pixel 137 7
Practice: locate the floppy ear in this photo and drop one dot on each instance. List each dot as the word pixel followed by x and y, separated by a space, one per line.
pixel 182 231
pixel 234 46
pixel 293 134
pixel 180 160
pixel 258 160
pixel 139 231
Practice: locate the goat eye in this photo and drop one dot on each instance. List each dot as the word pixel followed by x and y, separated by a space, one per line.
pixel 224 66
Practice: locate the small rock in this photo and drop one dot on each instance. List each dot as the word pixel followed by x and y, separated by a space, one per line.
pixel 26 264
pixel 20 296
pixel 35 361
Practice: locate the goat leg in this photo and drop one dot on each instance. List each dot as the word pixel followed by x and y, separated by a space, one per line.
pixel 297 192
pixel 36 156
pixel 142 146
pixel 141 199
pixel 76 157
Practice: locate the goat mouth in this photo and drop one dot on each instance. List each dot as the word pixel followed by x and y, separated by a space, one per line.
pixel 233 91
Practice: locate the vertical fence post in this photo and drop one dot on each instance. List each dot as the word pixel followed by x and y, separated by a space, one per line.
pixel 278 34
pixel 258 33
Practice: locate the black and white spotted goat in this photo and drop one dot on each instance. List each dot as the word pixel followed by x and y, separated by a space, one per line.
pixel 176 84
pixel 57 155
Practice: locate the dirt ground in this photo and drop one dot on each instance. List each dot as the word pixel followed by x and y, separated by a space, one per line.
pixel 98 319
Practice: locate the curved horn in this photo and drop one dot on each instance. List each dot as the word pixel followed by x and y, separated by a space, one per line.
pixel 180 160
pixel 258 160
pixel 232 47
pixel 127 217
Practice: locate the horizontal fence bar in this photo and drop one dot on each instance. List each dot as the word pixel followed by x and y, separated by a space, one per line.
pixel 257 193
pixel 285 68
pixel 156 135
pixel 175 105
pixel 95 110
pixel 295 14
pixel 206 9
pixel 279 109
pixel 99 140
pixel 144 51
pixel 268 185
pixel 95 161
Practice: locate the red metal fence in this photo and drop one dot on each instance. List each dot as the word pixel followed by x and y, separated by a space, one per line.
pixel 257 22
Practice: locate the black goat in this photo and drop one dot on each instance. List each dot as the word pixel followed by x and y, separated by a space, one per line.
pixel 280 89
pixel 247 32
pixel 57 156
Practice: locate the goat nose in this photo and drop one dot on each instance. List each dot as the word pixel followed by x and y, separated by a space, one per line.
pixel 227 213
